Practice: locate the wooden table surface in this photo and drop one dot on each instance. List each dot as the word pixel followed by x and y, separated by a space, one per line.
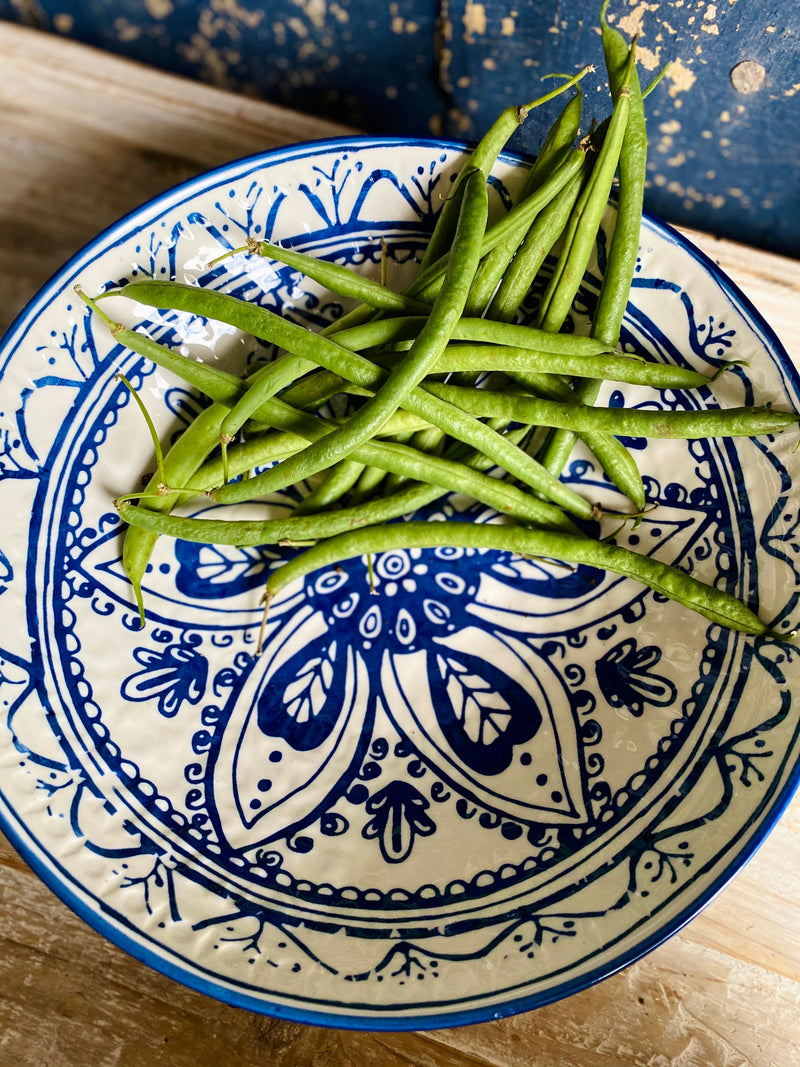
pixel 85 137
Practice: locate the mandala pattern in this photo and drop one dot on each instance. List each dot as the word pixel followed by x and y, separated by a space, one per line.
pixel 452 764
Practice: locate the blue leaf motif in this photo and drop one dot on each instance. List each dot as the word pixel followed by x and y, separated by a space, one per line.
pixel 400 814
pixel 212 572
pixel 483 715
pixel 172 675
pixel 305 696
pixel 626 679
pixel 307 708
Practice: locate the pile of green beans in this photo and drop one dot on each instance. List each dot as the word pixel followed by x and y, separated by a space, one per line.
pixel 409 365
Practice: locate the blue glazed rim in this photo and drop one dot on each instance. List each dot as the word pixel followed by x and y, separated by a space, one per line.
pixel 67 889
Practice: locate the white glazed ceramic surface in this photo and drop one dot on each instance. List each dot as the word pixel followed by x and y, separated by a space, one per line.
pixel 487 786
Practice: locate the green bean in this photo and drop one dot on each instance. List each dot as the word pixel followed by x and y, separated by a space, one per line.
pixel 257 451
pixel 622 255
pixel 213 382
pixel 264 383
pixel 632 370
pixel 483 158
pixel 388 331
pixel 712 603
pixel 340 280
pixel 338 480
pixel 250 533
pixel 624 422
pixel 180 463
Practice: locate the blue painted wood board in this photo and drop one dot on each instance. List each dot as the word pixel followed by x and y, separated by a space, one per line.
pixel 723 124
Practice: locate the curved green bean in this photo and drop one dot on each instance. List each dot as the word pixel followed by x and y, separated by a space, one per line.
pixel 340 280
pixel 391 330
pixel 710 602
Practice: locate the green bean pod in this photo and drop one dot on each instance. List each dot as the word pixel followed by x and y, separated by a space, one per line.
pixel 623 422
pixel 519 362
pixel 712 603
pixel 389 331
pixel 180 464
pixel 494 264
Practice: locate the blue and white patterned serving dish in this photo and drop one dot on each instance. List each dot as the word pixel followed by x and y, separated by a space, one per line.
pixel 485 787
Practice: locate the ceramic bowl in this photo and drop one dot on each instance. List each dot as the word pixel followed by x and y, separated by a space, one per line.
pixel 486 786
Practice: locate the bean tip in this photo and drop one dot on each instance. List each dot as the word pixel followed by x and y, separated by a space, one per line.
pixel 790 635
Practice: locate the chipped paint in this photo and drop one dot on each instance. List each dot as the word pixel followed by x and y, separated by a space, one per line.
pixel 314 11
pixel 508 24
pixel 159 9
pixel 474 20
pixel 633 24
pixel 297 26
pixel 680 77
pixel 401 25
pixel 237 13
pixel 126 31
pixel 648 58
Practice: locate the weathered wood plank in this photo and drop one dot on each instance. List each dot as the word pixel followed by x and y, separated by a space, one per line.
pixel 86 137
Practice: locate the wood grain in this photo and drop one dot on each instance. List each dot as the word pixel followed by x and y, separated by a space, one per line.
pixel 83 139
pixel 86 138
